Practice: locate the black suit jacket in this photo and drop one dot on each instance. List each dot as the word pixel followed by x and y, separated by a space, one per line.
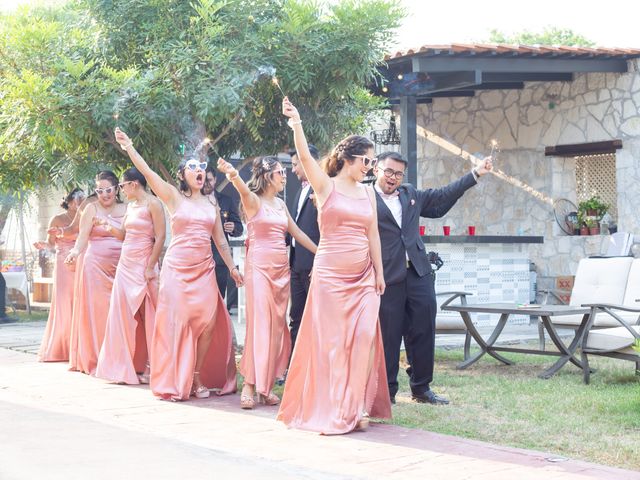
pixel 301 259
pixel 395 241
pixel 226 204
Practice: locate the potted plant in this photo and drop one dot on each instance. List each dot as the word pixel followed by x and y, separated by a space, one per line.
pixel 593 207
pixel 592 225
pixel 584 230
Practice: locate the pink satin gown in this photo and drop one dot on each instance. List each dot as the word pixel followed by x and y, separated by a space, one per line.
pixel 267 343
pixel 94 281
pixel 337 371
pixel 133 303
pixel 188 303
pixel 57 333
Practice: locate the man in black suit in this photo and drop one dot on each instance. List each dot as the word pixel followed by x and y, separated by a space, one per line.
pixel 232 226
pixel 408 306
pixel 301 260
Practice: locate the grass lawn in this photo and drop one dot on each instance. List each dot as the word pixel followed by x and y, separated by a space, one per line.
pixel 510 405
pixel 23 316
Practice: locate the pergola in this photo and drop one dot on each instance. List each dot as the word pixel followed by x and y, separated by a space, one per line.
pixel 417 76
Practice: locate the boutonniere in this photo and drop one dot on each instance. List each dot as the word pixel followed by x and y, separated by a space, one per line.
pixel 311 196
pixel 413 202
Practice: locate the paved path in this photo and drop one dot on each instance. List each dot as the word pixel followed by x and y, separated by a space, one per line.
pixel 62 425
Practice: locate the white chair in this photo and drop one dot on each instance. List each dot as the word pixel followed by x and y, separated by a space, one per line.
pixel 600 280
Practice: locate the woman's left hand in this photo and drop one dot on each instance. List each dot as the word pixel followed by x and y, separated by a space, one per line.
pixel 150 273
pixel 380 285
pixel 237 277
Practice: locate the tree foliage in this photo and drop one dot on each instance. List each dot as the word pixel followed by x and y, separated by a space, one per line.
pixel 171 73
pixel 548 36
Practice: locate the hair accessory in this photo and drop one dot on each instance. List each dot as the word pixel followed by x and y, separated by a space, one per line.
pixel 266 165
pixel 340 148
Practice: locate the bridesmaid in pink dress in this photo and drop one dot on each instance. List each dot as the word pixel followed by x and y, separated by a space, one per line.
pixel 55 341
pixel 192 348
pixel 337 376
pixel 267 344
pixel 135 289
pixel 94 278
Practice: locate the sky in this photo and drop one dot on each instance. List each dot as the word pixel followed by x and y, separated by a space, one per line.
pixel 611 23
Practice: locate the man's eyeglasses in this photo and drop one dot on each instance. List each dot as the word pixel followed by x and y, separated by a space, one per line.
pixel 366 161
pixel 121 185
pixel 108 190
pixel 389 172
pixel 193 165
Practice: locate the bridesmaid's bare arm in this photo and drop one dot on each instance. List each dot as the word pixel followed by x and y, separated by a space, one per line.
pixel 86 224
pixel 301 237
pixel 72 228
pixel 225 251
pixel 250 201
pixel 164 190
pixel 319 180
pixel 375 249
pixel 159 230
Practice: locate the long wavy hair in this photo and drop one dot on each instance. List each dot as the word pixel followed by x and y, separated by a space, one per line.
pixel 262 169
pixel 344 152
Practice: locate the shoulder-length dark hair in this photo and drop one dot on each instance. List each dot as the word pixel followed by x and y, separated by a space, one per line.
pixel 185 189
pixel 111 177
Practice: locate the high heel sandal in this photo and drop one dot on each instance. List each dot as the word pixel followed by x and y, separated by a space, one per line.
pixel 145 377
pixel 200 391
pixel 270 400
pixel 363 423
pixel 247 402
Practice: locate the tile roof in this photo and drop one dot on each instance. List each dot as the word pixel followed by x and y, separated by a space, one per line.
pixel 503 50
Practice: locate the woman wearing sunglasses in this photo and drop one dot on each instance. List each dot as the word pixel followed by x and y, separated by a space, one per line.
pixel 192 341
pixel 135 289
pixel 94 278
pixel 267 342
pixel 55 341
pixel 337 374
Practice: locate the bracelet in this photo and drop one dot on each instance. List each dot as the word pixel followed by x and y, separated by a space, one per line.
pixel 231 178
pixel 291 122
pixel 126 145
pixel 60 232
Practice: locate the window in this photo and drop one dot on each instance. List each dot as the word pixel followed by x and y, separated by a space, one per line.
pixel 596 175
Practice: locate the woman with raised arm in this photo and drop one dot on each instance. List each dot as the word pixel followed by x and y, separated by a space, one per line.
pixel 267 342
pixel 192 342
pixel 134 296
pixel 337 376
pixel 94 280
pixel 55 341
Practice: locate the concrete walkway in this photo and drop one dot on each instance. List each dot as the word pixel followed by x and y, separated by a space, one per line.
pixel 60 425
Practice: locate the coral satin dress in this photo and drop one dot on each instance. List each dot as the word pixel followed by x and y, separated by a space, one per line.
pixel 133 303
pixel 337 371
pixel 55 341
pixel 94 280
pixel 267 343
pixel 188 302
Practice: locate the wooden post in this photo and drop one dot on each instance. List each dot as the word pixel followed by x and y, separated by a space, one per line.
pixel 409 137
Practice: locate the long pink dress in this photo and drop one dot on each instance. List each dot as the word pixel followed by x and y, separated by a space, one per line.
pixel 267 344
pixel 133 303
pixel 328 388
pixel 93 283
pixel 55 341
pixel 189 302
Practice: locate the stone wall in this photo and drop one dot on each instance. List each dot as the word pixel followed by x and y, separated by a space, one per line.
pixel 594 107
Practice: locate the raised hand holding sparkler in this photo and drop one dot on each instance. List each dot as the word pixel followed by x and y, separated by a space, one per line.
pixel 275 81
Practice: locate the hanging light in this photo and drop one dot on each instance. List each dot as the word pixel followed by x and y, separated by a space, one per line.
pixel 388 136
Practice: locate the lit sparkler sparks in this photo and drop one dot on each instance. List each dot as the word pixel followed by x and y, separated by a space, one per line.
pixel 275 81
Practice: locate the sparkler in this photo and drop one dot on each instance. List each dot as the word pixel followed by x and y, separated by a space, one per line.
pixel 494 147
pixel 274 80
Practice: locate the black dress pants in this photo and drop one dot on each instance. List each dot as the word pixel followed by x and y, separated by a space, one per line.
pixel 409 309
pixel 299 285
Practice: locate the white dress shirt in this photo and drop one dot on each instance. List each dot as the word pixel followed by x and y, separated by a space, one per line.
pixel 303 196
pixel 393 203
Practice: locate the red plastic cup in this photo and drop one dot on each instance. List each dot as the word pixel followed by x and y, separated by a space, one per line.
pixel 472 230
pixel 447 230
pixel 422 230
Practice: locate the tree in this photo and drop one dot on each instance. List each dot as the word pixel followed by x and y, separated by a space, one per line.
pixel 172 73
pixel 549 36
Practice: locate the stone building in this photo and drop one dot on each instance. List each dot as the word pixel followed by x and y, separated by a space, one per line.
pixel 567 124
